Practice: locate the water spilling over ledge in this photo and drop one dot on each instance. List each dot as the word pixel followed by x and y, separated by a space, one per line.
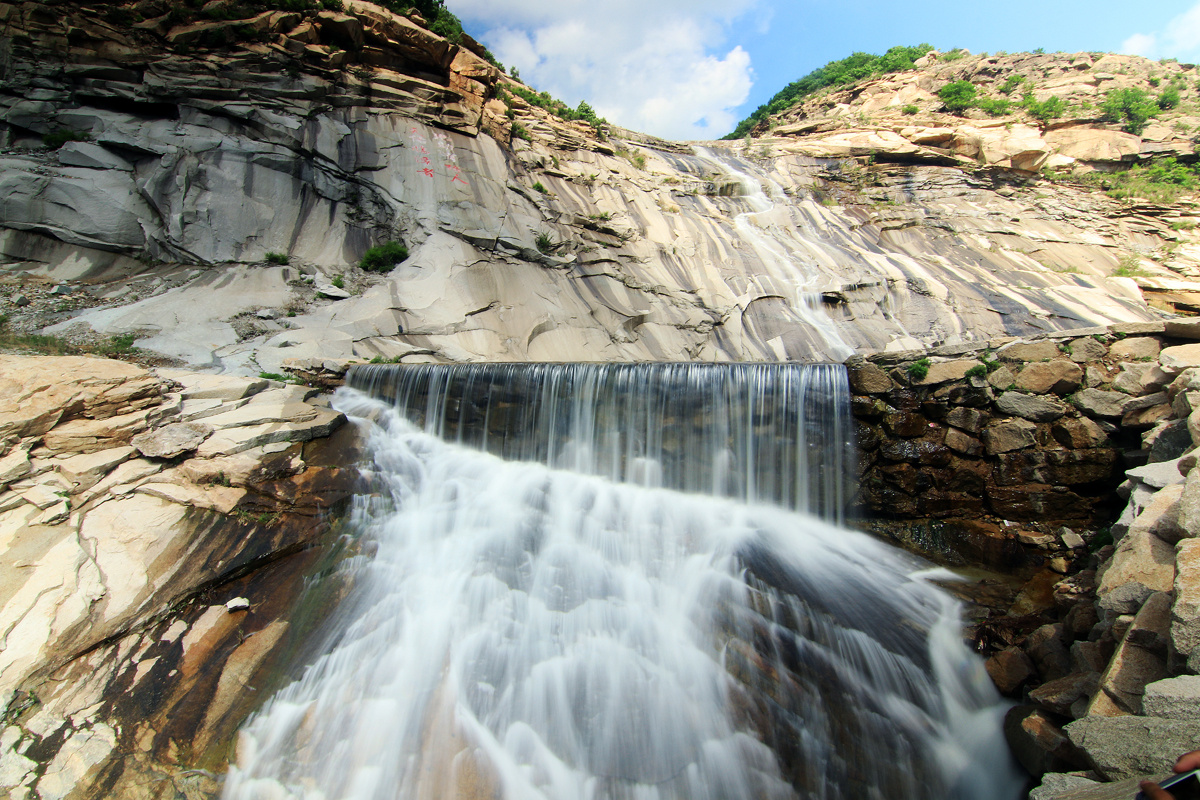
pixel 621 602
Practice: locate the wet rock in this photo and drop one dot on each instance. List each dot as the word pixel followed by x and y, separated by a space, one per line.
pixel 970 420
pixel 1038 744
pixel 1031 407
pixel 1004 437
pixel 1010 669
pixel 172 440
pixel 960 442
pixel 905 423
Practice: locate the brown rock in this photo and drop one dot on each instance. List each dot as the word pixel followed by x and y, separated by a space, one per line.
pixel 1141 565
pixel 960 442
pixel 944 371
pixel 869 379
pixel 970 420
pixel 1037 743
pixel 1029 351
pixel 1087 349
pixel 1047 647
pixel 1078 433
pixel 1030 407
pixel 1059 376
pixel 905 423
pixel 1004 437
pixel 1183 328
pixel 1037 502
pixel 1001 378
pixel 1057 696
pixel 1010 669
pixel 1135 348
pixel 1185 612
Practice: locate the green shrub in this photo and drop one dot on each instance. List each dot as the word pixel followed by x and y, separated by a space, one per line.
pixel 519 132
pixel 538 187
pixel 854 68
pixel 545 243
pixel 1183 225
pixel 1169 98
pixel 333 5
pixel 958 96
pixel 1011 83
pixel 1048 109
pixel 1129 266
pixel 918 369
pixel 338 282
pixel 993 107
pixel 909 109
pixel 977 371
pixel 952 55
pixel 1131 107
pixel 278 258
pixel 382 257
pixel 61 136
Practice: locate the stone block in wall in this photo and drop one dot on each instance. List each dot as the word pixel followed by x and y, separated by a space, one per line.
pixel 1158 474
pixel 1127 747
pixel 1059 376
pixel 960 394
pixel 1009 435
pixel 945 371
pixel 1094 376
pixel 1141 657
pixel 970 420
pixel 1141 565
pixel 1183 328
pixel 905 423
pixel 1137 379
pixel 1100 403
pixel 1136 328
pixel 1029 351
pixel 1030 407
pixel 1180 357
pixel 1137 419
pixel 1187 515
pixel 869 379
pixel 963 443
pixel 1037 503
pixel 1087 349
pixel 1078 433
pixel 1168 440
pixel 921 452
pixel 1135 348
pixel 1055 467
pixel 1185 613
pixel 1001 378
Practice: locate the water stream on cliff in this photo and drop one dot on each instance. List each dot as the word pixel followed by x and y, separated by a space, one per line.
pixel 632 595
pixel 784 271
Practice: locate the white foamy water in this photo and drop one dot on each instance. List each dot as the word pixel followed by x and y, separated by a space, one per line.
pixel 519 630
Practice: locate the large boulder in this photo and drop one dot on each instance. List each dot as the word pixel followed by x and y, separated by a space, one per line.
pixel 1058 376
pixel 1126 747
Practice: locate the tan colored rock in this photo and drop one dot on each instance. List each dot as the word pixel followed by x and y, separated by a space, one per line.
pixel 1135 348
pixel 944 371
pixel 1142 378
pixel 1185 613
pixel 970 420
pixel 1087 349
pixel 1094 144
pixel 223 499
pixel 1180 357
pixel 1078 433
pixel 963 443
pixel 1059 376
pixel 1099 403
pixel 1010 669
pixel 1030 407
pixel 1141 565
pixel 36 392
pixel 1140 658
pixel 869 379
pixel 1029 351
pixel 15 465
pixel 87 469
pixel 200 386
pixel 91 435
pixel 1183 328
pixel 171 440
pixel 1001 378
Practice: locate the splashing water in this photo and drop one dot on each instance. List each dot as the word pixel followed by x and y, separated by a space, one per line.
pixel 591 626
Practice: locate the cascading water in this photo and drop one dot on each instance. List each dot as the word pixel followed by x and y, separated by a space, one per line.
pixel 625 600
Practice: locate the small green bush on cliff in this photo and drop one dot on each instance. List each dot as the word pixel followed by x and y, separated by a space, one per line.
pixel 918 369
pixel 1131 107
pixel 854 68
pixel 383 257
pixel 958 96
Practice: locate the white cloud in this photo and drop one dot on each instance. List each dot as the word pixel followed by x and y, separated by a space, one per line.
pixel 1179 38
pixel 659 66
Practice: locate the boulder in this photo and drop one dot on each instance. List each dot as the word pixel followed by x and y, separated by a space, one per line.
pixel 1185 612
pixel 1141 565
pixel 1173 698
pixel 1183 328
pixel 970 420
pixel 869 379
pixel 1136 348
pixel 1057 696
pixel 1038 744
pixel 172 440
pixel 1094 144
pixel 1126 747
pixel 1140 658
pixel 1029 351
pixel 1078 433
pixel 1059 376
pixel 1137 379
pixel 1180 357
pixel 1010 669
pixel 1030 407
pixel 1087 349
pixel 1004 437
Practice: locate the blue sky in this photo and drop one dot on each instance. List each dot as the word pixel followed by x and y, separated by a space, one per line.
pixel 690 69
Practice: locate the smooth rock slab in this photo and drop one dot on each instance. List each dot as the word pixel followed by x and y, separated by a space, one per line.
pixel 1099 403
pixel 1185 613
pixel 1127 747
pixel 1140 347
pixel 1058 376
pixel 172 440
pixel 1142 565
pixel 1183 328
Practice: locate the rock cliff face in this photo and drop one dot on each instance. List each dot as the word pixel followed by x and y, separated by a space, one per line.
pixel 328 132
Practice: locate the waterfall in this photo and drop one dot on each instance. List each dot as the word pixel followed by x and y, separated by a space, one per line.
pixel 589 581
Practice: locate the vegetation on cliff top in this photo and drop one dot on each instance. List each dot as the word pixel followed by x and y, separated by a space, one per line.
pixel 836 73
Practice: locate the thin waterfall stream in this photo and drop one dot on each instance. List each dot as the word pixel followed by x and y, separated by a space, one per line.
pixel 622 581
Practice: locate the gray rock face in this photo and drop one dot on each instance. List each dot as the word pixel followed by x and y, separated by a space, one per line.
pixel 1004 437
pixel 1173 698
pixel 1125 747
pixel 172 440
pixel 1099 403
